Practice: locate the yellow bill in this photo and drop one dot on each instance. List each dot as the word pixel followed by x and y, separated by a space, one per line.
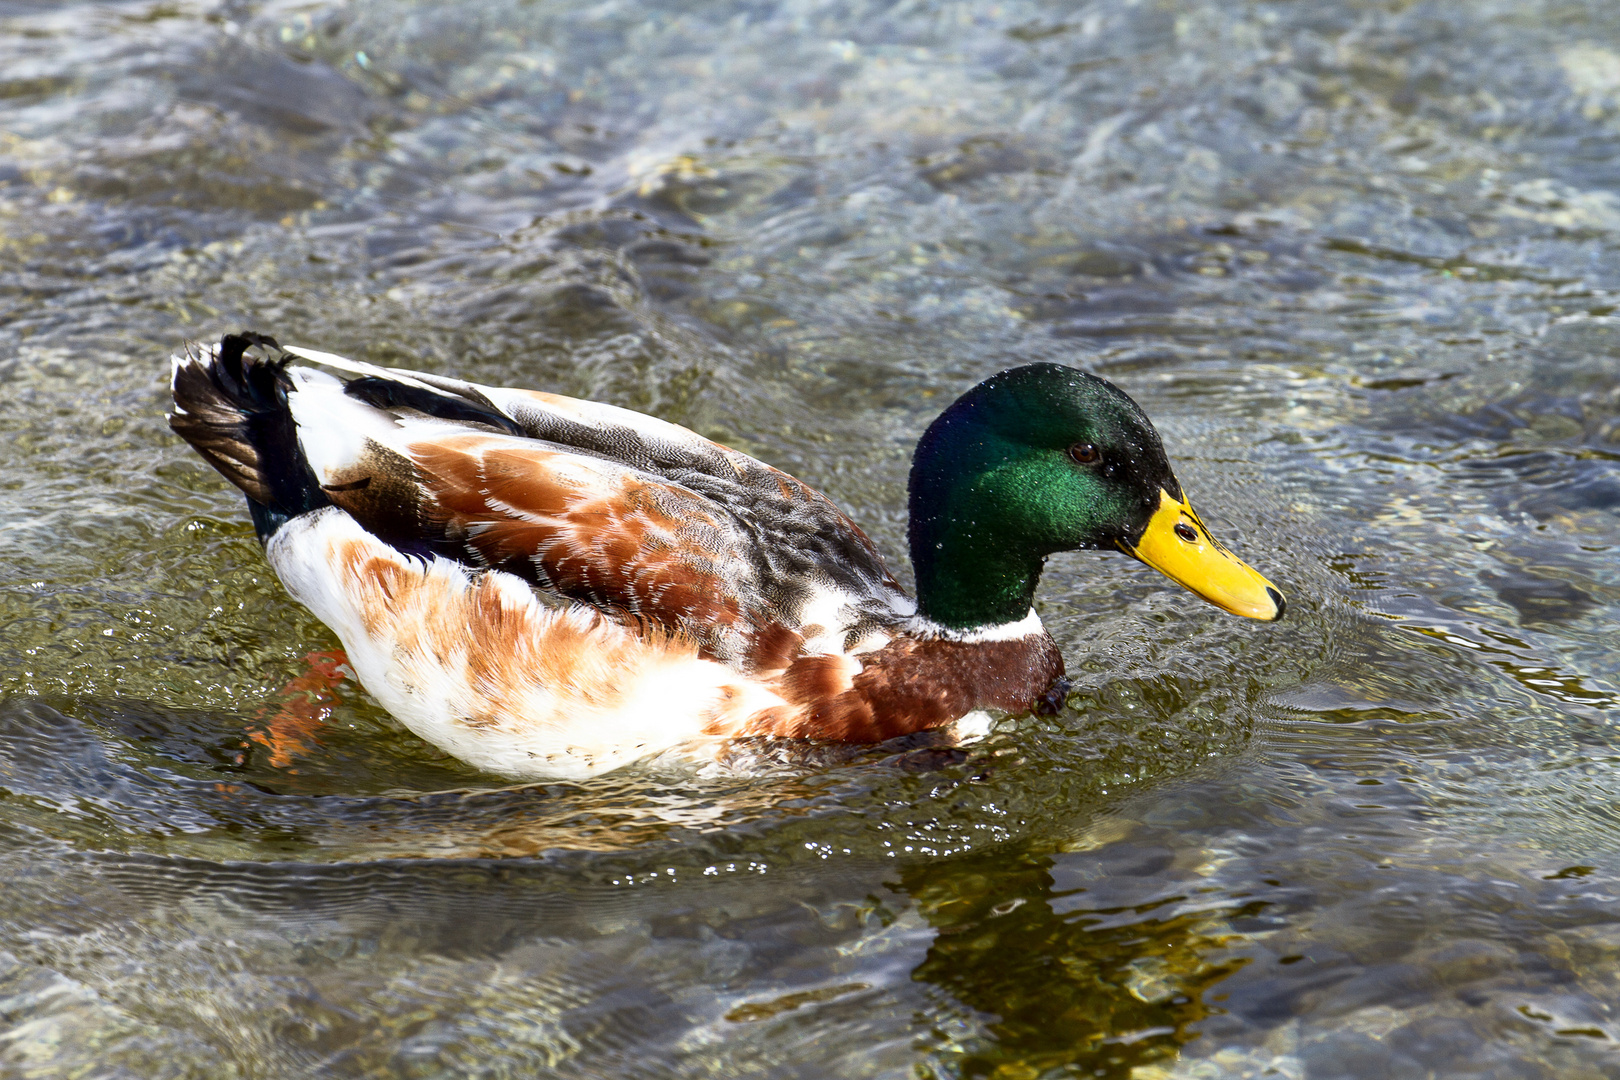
pixel 1177 545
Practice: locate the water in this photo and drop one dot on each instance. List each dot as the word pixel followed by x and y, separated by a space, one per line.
pixel 1357 259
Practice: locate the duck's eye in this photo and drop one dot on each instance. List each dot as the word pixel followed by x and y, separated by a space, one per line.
pixel 1187 532
pixel 1085 453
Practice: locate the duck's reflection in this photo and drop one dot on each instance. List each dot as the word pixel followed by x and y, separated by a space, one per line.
pixel 1037 982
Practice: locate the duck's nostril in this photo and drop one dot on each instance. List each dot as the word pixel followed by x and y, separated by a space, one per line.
pixel 1186 532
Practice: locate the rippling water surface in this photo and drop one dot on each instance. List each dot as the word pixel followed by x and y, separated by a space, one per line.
pixel 1356 258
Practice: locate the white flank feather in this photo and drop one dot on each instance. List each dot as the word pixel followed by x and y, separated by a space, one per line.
pixel 651 697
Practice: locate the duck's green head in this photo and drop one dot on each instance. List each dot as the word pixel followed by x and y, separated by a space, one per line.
pixel 1045 458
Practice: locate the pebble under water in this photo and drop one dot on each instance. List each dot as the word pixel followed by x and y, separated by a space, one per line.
pixel 1357 259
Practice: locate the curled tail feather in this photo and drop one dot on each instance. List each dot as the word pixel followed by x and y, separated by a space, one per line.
pixel 231 406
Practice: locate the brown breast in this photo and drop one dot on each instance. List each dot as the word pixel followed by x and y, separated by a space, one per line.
pixel 912 684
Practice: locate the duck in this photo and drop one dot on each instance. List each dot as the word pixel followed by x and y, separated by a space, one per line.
pixel 550 588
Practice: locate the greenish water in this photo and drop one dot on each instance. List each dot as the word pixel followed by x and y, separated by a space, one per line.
pixel 1357 259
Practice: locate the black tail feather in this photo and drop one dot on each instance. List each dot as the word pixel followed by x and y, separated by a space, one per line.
pixel 232 408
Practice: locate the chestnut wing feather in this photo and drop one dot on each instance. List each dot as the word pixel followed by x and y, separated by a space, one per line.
pixel 635 546
pixel 643 519
pixel 796 533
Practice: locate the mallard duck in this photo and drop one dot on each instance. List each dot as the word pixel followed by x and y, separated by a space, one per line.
pixel 551 588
